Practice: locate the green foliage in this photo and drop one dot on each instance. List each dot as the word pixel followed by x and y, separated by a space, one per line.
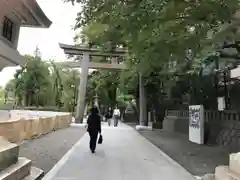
pixel 42 84
pixel 166 39
pixel 32 82
pixel 154 31
pixel 103 84
pixel 57 83
pixel 71 82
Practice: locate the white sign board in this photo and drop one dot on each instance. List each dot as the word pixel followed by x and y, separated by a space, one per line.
pixel 196 124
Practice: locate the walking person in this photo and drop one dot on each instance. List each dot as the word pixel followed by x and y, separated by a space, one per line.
pixel 94 127
pixel 116 116
pixel 108 116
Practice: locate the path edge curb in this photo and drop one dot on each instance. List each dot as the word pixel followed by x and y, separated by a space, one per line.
pixel 62 161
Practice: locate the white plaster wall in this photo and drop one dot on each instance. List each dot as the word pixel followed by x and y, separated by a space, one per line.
pixel 9 56
pixel 16 29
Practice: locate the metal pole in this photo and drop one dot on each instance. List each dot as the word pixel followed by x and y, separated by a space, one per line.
pixel 225 89
pixel 82 88
pixel 216 80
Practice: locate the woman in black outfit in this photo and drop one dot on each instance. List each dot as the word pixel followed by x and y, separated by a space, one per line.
pixel 94 127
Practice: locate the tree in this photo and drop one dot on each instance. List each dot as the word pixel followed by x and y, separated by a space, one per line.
pixel 104 84
pixel 57 83
pixel 153 31
pixel 71 80
pixel 9 90
pixel 165 39
pixel 31 82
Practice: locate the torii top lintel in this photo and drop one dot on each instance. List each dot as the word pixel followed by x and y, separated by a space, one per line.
pixel 80 50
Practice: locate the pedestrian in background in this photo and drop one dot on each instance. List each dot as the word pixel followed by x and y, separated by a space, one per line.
pixel 108 116
pixel 116 116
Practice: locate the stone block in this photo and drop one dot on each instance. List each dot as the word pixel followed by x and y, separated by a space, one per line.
pixel 35 131
pixel 25 126
pixel 28 126
pixel 35 174
pixel 62 121
pixel 225 143
pixel 57 123
pixel 221 173
pixel 169 124
pixel 24 129
pixel 8 153
pixel 208 177
pixel 233 176
pixel 233 132
pixel 143 128
pixel 157 125
pixel 46 124
pixel 237 127
pixel 234 163
pixel 220 140
pixel 17 171
pixel 11 130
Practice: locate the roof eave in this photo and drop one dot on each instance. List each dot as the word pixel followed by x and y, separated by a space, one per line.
pixel 42 21
pixel 41 16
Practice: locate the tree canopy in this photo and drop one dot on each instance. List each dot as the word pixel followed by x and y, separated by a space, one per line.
pixel 155 32
pixel 175 44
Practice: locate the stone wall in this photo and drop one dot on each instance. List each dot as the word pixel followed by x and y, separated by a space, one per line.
pixel 25 129
pixel 221 127
pixel 231 172
pixel 176 124
pixel 229 135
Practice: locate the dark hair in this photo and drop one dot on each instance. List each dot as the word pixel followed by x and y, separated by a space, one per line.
pixel 94 111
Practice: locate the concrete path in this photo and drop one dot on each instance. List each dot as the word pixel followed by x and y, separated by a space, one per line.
pixel 124 155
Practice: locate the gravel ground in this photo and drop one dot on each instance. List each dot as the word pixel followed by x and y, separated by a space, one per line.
pixel 46 151
pixel 197 159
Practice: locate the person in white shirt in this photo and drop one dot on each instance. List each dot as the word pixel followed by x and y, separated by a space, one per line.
pixel 116 116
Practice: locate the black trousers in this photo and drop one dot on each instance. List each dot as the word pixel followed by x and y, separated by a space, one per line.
pixel 93 140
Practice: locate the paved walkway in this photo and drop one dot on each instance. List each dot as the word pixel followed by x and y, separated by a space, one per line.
pixel 124 155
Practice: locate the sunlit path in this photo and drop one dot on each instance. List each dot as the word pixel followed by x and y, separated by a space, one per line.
pixel 124 155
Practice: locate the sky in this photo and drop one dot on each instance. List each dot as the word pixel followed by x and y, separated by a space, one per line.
pixel 63 17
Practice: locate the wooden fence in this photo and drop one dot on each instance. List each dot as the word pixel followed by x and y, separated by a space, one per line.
pixel 209 115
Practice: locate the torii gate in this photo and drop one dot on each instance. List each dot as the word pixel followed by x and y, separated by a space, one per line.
pixel 85 64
